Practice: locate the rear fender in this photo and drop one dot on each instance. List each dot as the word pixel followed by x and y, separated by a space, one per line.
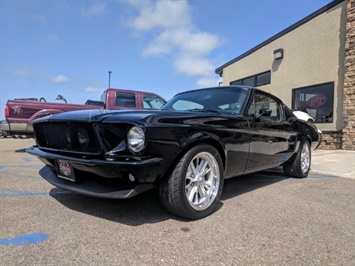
pixel 298 146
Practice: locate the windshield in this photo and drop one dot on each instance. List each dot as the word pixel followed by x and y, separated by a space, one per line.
pixel 216 99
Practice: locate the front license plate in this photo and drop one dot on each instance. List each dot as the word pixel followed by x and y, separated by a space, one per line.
pixel 65 170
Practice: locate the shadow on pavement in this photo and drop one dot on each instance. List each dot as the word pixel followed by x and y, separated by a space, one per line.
pixel 146 207
pixel 243 184
pixel 142 209
pixel 21 150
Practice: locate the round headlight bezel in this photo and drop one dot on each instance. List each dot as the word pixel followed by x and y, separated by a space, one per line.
pixel 136 139
pixel 83 138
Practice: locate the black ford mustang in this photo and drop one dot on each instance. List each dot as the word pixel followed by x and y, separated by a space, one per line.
pixel 186 149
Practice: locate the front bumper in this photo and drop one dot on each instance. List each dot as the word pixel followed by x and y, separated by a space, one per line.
pixel 95 189
pixel 102 178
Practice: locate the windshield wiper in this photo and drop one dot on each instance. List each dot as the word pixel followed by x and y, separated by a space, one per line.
pixel 204 110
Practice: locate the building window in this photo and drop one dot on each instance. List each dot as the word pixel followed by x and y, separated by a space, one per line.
pixel 249 81
pixel 255 80
pixel 317 100
pixel 263 78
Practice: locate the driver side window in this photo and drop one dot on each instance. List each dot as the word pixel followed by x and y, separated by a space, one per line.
pixel 264 106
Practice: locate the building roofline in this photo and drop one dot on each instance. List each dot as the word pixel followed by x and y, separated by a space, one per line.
pixel 323 9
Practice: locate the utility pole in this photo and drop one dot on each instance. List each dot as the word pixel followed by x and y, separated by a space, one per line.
pixel 109 79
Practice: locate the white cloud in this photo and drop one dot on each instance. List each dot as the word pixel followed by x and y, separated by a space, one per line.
pixel 176 34
pixel 40 18
pixel 96 9
pixel 52 38
pixel 193 66
pixel 60 79
pixel 163 14
pixel 93 89
pixel 61 5
pixel 211 81
pixel 27 72
pixel 23 72
pixel 184 40
pixel 200 43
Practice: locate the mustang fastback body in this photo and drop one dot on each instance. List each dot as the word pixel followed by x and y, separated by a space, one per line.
pixel 186 149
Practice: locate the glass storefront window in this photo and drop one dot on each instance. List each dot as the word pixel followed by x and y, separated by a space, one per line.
pixel 317 100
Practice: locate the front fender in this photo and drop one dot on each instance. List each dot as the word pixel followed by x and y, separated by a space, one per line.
pixel 173 149
pixel 197 137
pixel 204 137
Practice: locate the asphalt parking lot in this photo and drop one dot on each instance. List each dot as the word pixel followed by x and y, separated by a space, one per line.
pixel 265 219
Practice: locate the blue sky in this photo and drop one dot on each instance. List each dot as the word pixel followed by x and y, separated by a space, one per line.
pixel 67 47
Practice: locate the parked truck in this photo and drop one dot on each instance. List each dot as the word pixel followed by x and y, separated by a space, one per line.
pixel 20 113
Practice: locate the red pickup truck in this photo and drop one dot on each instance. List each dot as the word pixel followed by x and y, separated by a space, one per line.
pixel 20 113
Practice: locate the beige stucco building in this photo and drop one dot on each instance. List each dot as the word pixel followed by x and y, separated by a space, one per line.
pixel 309 65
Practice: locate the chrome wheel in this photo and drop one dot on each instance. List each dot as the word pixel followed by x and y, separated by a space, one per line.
pixel 202 181
pixel 194 188
pixel 305 158
pixel 300 165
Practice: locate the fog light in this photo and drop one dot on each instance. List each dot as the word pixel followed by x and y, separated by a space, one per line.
pixel 131 178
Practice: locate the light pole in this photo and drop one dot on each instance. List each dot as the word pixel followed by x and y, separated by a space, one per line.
pixel 109 79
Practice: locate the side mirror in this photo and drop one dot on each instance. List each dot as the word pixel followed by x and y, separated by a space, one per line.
pixel 264 112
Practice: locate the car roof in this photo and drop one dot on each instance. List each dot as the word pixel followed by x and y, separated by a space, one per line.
pixel 248 88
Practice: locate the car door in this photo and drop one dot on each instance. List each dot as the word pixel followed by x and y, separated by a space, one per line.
pixel 271 136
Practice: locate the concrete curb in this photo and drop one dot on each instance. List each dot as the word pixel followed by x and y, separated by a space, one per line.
pixel 334 162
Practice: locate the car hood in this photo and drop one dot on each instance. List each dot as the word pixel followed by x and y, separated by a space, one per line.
pixel 96 115
pixel 128 116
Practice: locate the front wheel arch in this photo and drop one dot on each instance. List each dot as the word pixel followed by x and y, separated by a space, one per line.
pixel 209 141
pixel 184 196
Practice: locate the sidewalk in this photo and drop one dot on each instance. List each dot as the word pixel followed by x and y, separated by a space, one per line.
pixel 334 162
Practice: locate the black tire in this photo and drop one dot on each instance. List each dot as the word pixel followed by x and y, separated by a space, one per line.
pixel 299 167
pixel 199 174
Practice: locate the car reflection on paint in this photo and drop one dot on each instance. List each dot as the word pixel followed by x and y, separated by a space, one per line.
pixel 302 114
pixel 186 150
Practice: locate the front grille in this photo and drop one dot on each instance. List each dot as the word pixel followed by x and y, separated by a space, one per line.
pixel 111 135
pixel 68 136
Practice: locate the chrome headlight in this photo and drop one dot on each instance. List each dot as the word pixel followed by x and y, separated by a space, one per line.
pixel 136 139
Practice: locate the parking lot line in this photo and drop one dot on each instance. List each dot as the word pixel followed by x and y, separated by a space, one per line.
pixel 24 240
pixel 18 193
